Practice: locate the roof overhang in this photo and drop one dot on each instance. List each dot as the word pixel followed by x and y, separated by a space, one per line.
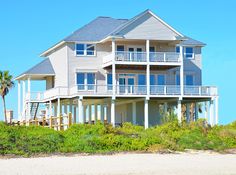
pixel 33 76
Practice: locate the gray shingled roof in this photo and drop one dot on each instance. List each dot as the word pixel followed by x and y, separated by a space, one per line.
pixel 96 30
pixel 101 27
pixel 42 68
pixel 191 41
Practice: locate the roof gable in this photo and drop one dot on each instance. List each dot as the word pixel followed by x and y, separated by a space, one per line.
pixel 147 26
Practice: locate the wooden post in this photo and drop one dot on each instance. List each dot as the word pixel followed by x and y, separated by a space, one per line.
pixel 50 124
pixel 69 119
pixel 60 123
pixel 43 122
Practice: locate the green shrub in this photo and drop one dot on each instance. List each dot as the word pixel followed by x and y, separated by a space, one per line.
pixel 99 138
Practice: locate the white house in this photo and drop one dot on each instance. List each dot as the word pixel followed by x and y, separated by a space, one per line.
pixel 119 70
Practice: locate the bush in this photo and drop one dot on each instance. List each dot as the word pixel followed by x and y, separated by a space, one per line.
pixel 99 138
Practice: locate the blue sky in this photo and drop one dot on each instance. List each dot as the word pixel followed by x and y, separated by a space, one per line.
pixel 29 27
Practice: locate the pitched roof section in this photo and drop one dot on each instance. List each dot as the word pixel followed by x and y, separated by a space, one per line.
pixel 193 42
pixel 96 30
pixel 42 68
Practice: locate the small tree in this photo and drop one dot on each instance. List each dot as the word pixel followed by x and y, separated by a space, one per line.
pixel 6 83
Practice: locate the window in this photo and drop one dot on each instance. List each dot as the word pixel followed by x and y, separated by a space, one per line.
pixel 188 52
pixel 161 79
pixel 85 49
pixel 141 79
pixel 109 81
pixel 85 81
pixel 189 80
pixel 177 49
pixel 177 79
pixel 120 48
pixel 152 49
pixel 152 80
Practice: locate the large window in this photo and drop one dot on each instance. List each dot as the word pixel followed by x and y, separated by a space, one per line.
pixel 85 49
pixel 85 81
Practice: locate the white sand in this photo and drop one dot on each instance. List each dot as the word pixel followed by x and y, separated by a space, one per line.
pixel 131 164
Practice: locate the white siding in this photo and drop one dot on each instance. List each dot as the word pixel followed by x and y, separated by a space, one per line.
pixel 148 27
pixel 59 63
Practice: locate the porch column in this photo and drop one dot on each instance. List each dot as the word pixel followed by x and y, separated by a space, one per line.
pixel 29 98
pixel 95 113
pixel 211 113
pixel 181 72
pixel 58 107
pixel 165 108
pixel 148 69
pixel 19 101
pixel 74 114
pixel 146 114
pixel 196 111
pixel 85 113
pixel 23 100
pixel 70 106
pixel 179 111
pixel 80 110
pixel 134 113
pixel 113 113
pixel 102 113
pixel 187 112
pixel 113 69
pixel 50 109
pixel 216 110
pixel 90 114
pixel 206 111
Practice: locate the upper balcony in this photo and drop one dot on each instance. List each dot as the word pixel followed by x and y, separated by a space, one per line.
pixel 140 58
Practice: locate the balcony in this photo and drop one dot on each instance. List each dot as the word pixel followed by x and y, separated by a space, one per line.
pixel 124 57
pixel 123 90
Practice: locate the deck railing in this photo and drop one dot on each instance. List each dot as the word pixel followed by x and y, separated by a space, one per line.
pixel 126 56
pixel 93 89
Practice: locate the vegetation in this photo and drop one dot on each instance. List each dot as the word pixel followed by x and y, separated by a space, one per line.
pixel 6 83
pixel 99 138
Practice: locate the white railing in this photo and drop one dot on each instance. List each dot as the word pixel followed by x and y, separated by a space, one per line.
pixel 131 90
pixel 126 56
pixel 200 90
pixel 93 89
pixel 131 56
pixel 164 57
pixel 165 90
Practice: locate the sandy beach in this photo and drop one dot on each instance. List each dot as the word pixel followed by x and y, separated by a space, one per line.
pixel 199 163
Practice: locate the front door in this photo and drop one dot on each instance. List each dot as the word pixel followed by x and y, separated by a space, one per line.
pixel 126 84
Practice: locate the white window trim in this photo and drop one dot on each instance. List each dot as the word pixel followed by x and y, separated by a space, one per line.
pixel 85 50
pixel 86 80
pixel 193 54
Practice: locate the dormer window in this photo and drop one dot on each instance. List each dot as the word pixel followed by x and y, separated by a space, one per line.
pixel 85 49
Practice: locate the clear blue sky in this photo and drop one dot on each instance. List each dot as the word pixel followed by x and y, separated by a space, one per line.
pixel 29 27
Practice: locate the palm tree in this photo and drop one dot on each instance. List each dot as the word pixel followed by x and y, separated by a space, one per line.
pixel 6 83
